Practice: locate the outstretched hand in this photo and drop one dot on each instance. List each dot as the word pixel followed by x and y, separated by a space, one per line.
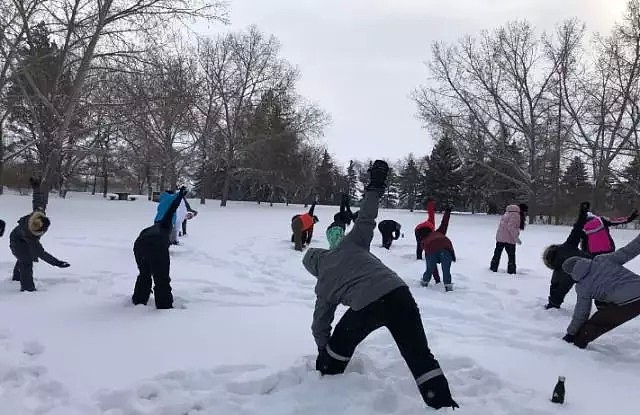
pixel 633 216
pixel 63 264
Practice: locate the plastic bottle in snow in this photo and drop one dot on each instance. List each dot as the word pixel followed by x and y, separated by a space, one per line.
pixel 558 391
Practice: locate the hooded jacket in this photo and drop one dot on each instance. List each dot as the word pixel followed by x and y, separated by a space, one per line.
pixel 24 240
pixel 158 234
pixel 349 274
pixel 509 228
pixel 596 238
pixel 603 278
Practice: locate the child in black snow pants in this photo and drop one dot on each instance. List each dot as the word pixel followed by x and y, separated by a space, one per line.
pixel 376 297
pixel 151 250
pixel 25 245
pixel 390 230
pixel 555 255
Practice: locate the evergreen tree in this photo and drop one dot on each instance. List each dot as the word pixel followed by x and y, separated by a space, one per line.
pixel 409 184
pixel 574 185
pixel 445 172
pixel 352 181
pixel 628 187
pixel 390 198
pixel 325 179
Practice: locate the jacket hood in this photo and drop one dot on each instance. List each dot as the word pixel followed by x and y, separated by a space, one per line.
pixel 577 267
pixel 513 208
pixel 311 260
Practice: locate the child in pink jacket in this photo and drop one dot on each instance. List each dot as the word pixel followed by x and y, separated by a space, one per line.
pixel 508 235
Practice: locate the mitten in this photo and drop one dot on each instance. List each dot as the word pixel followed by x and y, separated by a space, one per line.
pixel 518 241
pixel 378 175
pixel 634 215
pixel 63 264
pixel 569 338
pixel 436 393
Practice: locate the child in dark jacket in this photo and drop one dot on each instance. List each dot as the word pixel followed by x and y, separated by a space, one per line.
pixel 596 238
pixel 376 297
pixel 555 255
pixel 151 250
pixel 25 245
pixel 390 231
pixel 439 249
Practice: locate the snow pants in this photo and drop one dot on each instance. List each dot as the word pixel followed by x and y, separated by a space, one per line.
pixel 153 263
pixel 442 257
pixel 608 317
pixel 398 312
pixel 420 234
pixel 23 270
pixel 497 254
pixel 561 284
pixel 387 239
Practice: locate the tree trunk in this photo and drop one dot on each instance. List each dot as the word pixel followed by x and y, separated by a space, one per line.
pixel 94 185
pixel 226 187
pixel 105 182
pixel 147 172
pixel 203 184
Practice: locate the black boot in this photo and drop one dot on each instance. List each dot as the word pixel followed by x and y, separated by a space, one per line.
pixel 511 269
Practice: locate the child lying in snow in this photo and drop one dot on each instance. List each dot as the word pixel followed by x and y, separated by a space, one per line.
pixel 351 275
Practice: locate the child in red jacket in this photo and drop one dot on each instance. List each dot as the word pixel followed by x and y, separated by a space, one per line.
pixel 439 249
pixel 425 228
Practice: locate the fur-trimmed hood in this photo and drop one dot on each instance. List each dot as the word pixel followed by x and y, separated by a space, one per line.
pixel 35 224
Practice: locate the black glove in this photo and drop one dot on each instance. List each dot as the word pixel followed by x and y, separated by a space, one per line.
pixel 63 264
pixel 447 209
pixel 2 227
pixel 585 207
pixel 436 393
pixel 378 175
pixel 569 338
pixel 183 191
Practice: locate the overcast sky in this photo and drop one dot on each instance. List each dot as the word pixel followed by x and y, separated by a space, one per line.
pixel 360 59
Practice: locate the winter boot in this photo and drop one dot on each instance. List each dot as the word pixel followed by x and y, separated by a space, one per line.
pixel 424 283
pixel 448 287
pixel 549 306
pixel 511 269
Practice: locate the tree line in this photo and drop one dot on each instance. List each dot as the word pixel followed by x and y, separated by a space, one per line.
pixel 111 95
pixel 549 117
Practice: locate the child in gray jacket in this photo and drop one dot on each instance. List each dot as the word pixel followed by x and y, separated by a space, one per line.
pixel 615 289
pixel 350 275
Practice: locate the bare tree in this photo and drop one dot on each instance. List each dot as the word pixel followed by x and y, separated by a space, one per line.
pixel 89 30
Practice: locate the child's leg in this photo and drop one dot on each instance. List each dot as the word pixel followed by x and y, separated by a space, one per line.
pixel 605 320
pixel 160 266
pixel 26 276
pixel 16 272
pixel 296 227
pixel 497 253
pixel 352 328
pixel 418 245
pixel 142 289
pixel 511 253
pixel 445 263
pixel 184 227
pixel 431 261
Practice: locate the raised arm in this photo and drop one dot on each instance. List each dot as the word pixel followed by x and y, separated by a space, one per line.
pixel 431 212
pixel 608 222
pixel 167 220
pixel 313 208
pixel 444 223
pixel 577 231
pixel 362 232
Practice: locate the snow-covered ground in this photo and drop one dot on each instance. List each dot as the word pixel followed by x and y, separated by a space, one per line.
pixel 240 342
